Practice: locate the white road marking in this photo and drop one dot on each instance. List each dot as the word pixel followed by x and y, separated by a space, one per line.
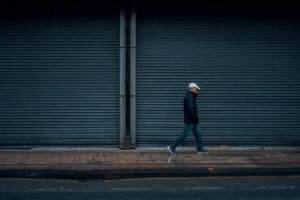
pixel 148 189
pixel 204 188
pixel 54 189
pixel 131 189
pixel 276 188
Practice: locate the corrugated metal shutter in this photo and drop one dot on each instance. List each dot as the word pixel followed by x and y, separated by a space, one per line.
pixel 248 68
pixel 59 78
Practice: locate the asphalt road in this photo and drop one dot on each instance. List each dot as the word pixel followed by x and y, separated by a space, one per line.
pixel 242 188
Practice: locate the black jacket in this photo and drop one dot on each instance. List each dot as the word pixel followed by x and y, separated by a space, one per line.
pixel 190 108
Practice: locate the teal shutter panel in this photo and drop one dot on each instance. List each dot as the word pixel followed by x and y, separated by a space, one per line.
pixel 59 76
pixel 247 67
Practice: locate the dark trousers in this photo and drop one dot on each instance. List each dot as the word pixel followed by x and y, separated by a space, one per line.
pixel 195 128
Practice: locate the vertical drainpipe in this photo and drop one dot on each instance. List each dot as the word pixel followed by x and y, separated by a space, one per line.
pixel 133 74
pixel 122 71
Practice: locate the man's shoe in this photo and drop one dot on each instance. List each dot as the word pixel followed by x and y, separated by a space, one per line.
pixel 202 151
pixel 171 150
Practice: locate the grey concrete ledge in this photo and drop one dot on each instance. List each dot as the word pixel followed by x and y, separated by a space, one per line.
pixel 146 149
pixel 115 163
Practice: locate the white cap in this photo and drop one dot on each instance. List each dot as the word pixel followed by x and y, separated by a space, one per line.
pixel 194 85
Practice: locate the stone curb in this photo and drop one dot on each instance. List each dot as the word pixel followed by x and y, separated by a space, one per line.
pixel 123 173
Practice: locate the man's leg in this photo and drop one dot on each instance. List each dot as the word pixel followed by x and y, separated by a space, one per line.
pixel 198 136
pixel 187 129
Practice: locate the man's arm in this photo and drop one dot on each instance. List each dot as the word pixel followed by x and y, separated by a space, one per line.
pixel 191 107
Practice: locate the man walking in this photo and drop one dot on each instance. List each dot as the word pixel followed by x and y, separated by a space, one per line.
pixel 191 121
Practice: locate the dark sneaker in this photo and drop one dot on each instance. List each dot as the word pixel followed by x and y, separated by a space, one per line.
pixel 202 151
pixel 171 150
